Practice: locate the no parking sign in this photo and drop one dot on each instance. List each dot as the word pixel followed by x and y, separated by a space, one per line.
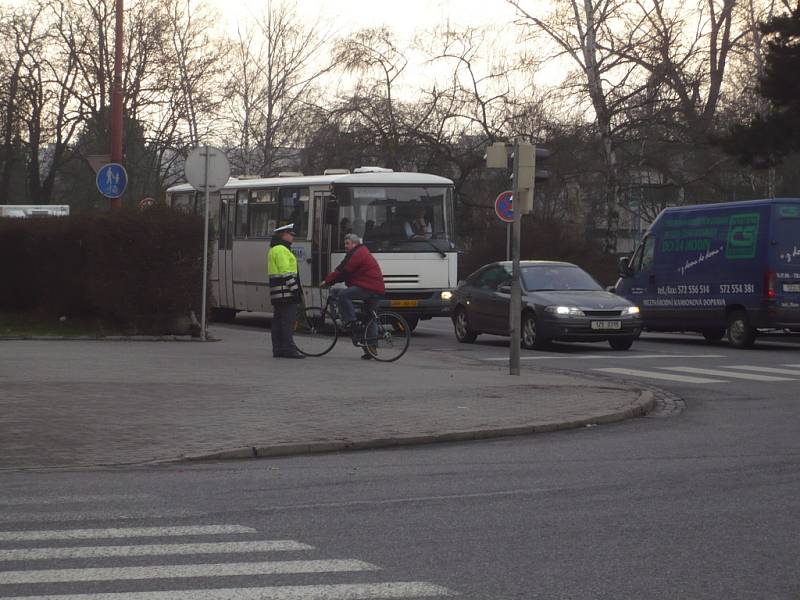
pixel 504 207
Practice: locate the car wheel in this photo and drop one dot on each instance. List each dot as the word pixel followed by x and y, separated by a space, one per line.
pixel 740 333
pixel 713 335
pixel 464 334
pixel 621 343
pixel 531 337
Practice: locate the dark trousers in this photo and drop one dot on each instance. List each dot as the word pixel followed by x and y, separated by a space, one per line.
pixel 283 316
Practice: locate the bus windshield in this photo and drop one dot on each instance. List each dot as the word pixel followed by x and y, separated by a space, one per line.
pixel 396 219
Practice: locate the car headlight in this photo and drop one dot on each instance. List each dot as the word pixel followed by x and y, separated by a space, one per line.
pixel 446 296
pixel 565 311
pixel 631 310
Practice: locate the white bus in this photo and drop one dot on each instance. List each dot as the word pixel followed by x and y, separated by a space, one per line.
pixel 27 211
pixel 420 271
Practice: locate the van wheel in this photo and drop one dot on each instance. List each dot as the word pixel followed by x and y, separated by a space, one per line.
pixel 740 333
pixel 464 334
pixel 621 343
pixel 531 338
pixel 713 335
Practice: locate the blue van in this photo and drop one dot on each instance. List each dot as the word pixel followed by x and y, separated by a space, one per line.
pixel 714 268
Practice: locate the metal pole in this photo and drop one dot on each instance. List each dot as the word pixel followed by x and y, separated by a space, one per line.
pixel 508 241
pixel 516 293
pixel 205 250
pixel 116 98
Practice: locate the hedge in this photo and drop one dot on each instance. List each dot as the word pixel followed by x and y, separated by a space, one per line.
pixel 135 269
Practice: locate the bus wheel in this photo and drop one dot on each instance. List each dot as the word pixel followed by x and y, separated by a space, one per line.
pixel 713 335
pixel 412 321
pixel 740 333
pixel 223 315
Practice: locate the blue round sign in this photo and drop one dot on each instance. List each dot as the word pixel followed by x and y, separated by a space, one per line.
pixel 111 180
pixel 504 207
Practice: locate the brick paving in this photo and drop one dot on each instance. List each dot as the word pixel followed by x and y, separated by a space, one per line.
pixel 81 403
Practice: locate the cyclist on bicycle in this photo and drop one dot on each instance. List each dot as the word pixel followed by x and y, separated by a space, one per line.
pixel 364 280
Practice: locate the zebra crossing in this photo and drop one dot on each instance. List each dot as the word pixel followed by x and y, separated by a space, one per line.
pixel 32 565
pixel 718 374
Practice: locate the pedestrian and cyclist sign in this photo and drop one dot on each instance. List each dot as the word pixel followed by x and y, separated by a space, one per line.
pixel 112 179
pixel 503 206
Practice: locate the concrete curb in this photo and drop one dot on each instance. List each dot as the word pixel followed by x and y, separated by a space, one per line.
pixel 106 338
pixel 644 404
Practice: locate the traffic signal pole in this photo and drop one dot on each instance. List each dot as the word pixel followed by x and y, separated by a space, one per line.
pixel 515 316
pixel 116 97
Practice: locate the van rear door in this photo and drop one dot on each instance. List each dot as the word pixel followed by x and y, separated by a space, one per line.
pixel 784 275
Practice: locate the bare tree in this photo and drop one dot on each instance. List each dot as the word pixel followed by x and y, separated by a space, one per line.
pixel 594 36
pixel 274 66
pixel 374 57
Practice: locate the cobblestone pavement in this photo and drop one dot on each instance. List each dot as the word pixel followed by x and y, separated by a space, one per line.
pixel 80 403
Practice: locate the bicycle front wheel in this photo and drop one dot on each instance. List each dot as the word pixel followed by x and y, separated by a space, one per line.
pixel 387 336
pixel 315 332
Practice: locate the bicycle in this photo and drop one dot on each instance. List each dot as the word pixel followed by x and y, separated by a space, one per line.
pixel 317 329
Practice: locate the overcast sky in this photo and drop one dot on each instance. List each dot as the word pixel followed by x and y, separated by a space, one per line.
pixel 404 16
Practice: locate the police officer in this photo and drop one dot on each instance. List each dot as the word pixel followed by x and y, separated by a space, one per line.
pixel 284 291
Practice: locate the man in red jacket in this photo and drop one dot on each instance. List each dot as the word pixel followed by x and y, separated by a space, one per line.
pixel 361 273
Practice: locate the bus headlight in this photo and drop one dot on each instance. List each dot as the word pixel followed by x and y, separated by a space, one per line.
pixel 446 296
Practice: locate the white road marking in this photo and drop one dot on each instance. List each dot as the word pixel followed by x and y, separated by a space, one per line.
pixel 184 571
pixel 609 356
pixel 151 550
pixel 31 500
pixel 9 516
pixel 361 591
pixel 661 376
pixel 718 373
pixel 760 369
pixel 796 366
pixel 130 532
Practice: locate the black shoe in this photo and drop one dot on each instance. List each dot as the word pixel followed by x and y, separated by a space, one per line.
pixel 293 355
pixel 366 356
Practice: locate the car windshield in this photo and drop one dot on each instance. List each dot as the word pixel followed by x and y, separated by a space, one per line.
pixel 557 277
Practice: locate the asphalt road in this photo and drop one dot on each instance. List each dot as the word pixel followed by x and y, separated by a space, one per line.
pixel 704 503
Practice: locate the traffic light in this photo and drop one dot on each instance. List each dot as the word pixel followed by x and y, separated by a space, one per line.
pixel 542 174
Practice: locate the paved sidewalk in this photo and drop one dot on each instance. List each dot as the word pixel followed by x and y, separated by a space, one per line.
pixel 78 403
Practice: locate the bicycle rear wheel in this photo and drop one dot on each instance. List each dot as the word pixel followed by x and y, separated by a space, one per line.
pixel 315 331
pixel 387 336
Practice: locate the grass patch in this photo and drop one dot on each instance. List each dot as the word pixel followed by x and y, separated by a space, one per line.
pixel 28 325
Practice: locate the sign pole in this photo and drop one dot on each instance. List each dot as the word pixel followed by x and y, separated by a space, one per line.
pixel 508 241
pixel 205 251
pixel 516 293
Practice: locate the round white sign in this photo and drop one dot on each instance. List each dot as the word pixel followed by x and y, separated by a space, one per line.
pixel 207 165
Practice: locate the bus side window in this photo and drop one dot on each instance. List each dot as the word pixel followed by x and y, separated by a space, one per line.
pixel 262 213
pixel 294 209
pixel 241 214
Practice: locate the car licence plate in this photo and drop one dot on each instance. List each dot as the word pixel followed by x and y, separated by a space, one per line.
pixel 606 324
pixel 403 303
pixel 791 287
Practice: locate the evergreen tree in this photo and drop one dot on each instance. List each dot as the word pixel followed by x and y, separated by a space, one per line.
pixel 767 139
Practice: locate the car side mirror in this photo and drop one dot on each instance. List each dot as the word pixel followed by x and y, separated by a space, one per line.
pixel 504 289
pixel 624 268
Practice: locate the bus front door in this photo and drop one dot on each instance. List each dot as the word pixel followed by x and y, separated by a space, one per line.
pixel 324 205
